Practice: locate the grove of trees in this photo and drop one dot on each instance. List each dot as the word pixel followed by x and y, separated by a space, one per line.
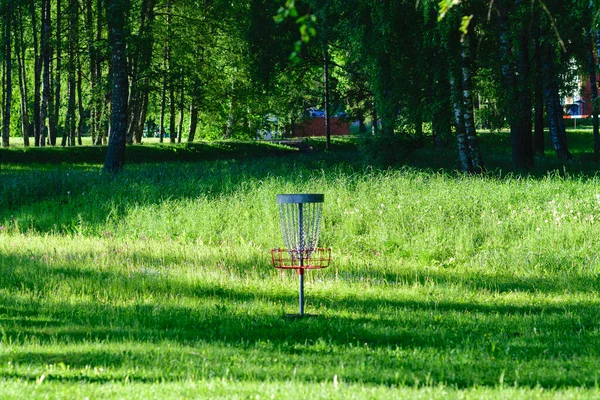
pixel 181 69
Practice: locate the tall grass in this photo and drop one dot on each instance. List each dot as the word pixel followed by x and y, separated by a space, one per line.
pixel 157 283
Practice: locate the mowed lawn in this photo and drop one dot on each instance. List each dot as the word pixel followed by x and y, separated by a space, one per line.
pixel 157 283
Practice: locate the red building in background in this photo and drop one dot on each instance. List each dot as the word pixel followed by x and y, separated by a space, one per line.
pixel 315 126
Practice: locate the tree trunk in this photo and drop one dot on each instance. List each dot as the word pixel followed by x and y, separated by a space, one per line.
pixel 538 135
pixel 71 119
pixel 374 118
pixel 81 110
pixel 172 131
pixel 181 109
pixel 362 127
pixel 20 53
pixel 553 107
pixel 88 26
pixel 55 114
pixel 37 74
pixel 326 96
pixel 3 84
pixel 523 79
pixel 464 156
pixel 8 72
pixel 140 82
pixel 193 122
pixel 45 48
pixel 469 118
pixel 163 100
pixel 115 156
pixel 523 140
pixel 100 97
pixel 228 128
pixel 166 73
pixel 594 89
pixel 141 121
pixel 386 104
pixel 515 74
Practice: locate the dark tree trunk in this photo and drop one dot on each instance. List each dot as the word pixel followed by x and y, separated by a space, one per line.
pixel 115 156
pixel 100 97
pixel 72 90
pixel 37 75
pixel 163 101
pixel 515 74
pixel 362 128
pixel 442 104
pixel 54 116
pixel 8 72
pixel 181 109
pixel 80 108
pixel 20 53
pixel 193 122
pixel 538 135
pixel 228 128
pixel 523 140
pixel 594 89
pixel 326 96
pixel 89 23
pixel 386 105
pixel 172 131
pixel 141 121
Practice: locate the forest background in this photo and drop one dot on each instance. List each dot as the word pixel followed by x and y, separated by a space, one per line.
pixel 189 69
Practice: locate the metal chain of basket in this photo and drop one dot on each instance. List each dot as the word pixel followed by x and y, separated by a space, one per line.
pixel 300 228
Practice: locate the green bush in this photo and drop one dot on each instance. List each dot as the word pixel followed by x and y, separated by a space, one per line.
pixel 385 150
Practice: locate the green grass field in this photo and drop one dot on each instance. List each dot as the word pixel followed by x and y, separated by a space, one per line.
pixel 157 283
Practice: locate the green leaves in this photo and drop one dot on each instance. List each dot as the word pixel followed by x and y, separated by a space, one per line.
pixel 464 24
pixel 286 11
pixel 307 25
pixel 445 6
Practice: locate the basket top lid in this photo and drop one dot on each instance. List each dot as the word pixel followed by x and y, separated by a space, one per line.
pixel 300 198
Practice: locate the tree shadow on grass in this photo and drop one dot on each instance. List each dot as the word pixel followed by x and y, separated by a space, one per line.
pixel 58 200
pixel 380 339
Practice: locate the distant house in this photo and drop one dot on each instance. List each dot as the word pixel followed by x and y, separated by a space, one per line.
pixel 314 125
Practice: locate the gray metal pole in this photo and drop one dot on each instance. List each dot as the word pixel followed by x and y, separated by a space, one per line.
pixel 301 248
pixel 301 273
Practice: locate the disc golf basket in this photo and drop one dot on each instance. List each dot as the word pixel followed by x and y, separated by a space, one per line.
pixel 300 216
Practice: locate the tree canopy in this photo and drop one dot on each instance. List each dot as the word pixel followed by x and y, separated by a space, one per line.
pixel 189 69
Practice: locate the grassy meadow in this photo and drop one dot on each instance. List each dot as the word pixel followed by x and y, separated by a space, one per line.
pixel 157 283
